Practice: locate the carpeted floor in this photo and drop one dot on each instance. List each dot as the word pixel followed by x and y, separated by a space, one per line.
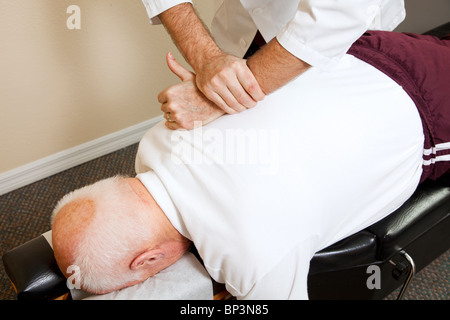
pixel 25 215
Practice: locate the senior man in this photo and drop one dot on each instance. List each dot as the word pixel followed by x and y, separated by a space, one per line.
pixel 259 192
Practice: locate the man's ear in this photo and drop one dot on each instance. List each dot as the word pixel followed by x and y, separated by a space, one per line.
pixel 148 259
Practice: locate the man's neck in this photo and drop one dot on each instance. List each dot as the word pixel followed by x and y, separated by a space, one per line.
pixel 167 230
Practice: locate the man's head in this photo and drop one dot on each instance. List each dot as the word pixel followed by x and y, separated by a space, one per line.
pixel 114 234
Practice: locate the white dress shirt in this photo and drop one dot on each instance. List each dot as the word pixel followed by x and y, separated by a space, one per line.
pixel 317 31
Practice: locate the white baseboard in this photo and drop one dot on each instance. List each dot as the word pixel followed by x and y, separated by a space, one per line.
pixel 58 162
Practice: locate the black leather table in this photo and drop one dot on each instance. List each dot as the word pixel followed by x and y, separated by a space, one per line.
pixel 399 245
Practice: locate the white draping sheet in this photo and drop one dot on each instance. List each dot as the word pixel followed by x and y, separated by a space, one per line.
pixel 186 279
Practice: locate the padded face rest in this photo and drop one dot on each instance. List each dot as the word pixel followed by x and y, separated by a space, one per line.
pixel 33 271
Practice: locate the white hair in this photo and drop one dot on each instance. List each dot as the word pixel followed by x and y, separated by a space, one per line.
pixel 111 236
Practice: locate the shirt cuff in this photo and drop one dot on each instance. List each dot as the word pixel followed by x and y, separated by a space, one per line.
pixel 321 32
pixel 155 7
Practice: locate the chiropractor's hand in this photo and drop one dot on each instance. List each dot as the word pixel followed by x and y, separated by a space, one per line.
pixel 224 79
pixel 228 82
pixel 184 105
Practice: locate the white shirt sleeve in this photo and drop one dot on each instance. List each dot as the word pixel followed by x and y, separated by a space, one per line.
pixel 322 31
pixel 155 7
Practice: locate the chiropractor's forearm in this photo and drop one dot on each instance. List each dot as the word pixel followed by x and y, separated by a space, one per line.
pixel 273 66
pixel 189 34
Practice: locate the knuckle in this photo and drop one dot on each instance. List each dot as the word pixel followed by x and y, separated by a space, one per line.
pixel 255 92
pixel 161 98
pixel 173 107
pixel 169 93
pixel 235 64
pixel 215 81
pixel 228 73
pixel 251 88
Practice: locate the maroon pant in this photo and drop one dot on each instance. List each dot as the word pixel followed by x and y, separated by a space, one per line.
pixel 421 65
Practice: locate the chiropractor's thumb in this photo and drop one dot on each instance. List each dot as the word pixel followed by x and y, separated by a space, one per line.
pixel 180 71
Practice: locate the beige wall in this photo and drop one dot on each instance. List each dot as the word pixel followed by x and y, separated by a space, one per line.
pixel 423 15
pixel 60 88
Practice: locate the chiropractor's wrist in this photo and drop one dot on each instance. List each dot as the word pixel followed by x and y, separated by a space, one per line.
pixel 205 56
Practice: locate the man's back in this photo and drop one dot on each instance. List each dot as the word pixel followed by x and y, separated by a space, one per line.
pixel 259 192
